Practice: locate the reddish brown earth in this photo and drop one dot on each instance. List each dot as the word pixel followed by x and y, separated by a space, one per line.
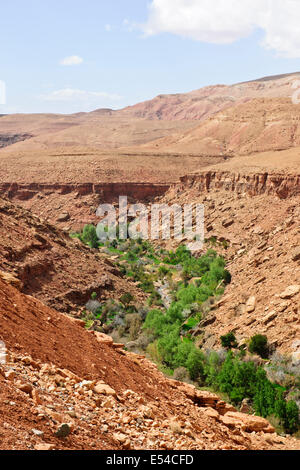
pixel 51 266
pixel 109 398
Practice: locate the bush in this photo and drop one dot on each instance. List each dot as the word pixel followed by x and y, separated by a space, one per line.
pixel 181 374
pixel 93 306
pixel 126 299
pixel 259 345
pixel 237 379
pixel 291 422
pixel 89 236
pixel 229 341
pixel 265 395
pixel 195 364
pixel 133 325
pixel 288 414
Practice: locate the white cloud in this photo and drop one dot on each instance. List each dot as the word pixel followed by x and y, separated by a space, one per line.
pixel 108 27
pixel 73 94
pixel 225 21
pixel 72 60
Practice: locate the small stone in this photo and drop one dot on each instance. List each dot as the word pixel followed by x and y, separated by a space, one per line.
pixel 37 432
pixel 10 375
pixel 44 446
pixel 120 437
pixel 36 398
pixel 63 431
pixel 271 316
pixel 64 217
pixel 251 304
pixel 26 388
pixel 27 360
pixel 227 223
pixel 296 254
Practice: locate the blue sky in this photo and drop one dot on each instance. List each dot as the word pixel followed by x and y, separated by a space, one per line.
pixel 75 55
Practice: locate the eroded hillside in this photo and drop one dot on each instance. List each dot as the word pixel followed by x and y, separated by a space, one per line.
pixel 60 380
pixel 253 218
pixel 46 263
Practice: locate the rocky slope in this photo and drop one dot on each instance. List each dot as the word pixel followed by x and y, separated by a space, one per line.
pixel 205 102
pixel 10 139
pixel 65 388
pixel 46 263
pixel 142 123
pixel 256 217
pixel 258 125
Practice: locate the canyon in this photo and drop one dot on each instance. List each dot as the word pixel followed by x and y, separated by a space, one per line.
pixel 234 149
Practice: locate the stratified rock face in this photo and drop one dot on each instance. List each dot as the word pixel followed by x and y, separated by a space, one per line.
pixel 252 184
pixel 108 191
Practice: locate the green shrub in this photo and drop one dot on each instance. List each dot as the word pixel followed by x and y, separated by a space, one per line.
pixel 229 341
pixel 265 395
pixel 259 345
pixel 195 364
pixel 89 236
pixel 291 422
pixel 126 299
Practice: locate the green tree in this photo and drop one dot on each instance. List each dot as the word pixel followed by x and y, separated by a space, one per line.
pixel 291 423
pixel 195 364
pixel 265 395
pixel 89 236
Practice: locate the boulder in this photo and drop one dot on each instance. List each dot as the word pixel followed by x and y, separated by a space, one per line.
pixel 102 338
pixel 271 316
pixel 247 423
pixel 290 292
pixel 64 217
pixel 251 304
pixel 63 431
pixel 211 413
pixel 44 446
pixel 104 389
pixel 296 254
